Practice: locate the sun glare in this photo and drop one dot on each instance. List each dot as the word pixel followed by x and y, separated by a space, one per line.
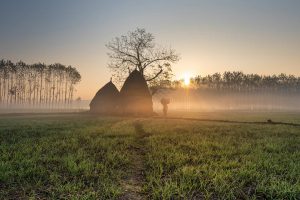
pixel 187 79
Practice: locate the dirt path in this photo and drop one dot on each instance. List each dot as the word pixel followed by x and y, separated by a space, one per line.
pixel 133 185
pixel 231 121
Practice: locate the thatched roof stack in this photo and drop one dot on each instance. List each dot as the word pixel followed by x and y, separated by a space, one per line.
pixel 133 99
pixel 105 100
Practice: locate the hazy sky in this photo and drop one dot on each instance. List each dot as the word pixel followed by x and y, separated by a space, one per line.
pixel 257 36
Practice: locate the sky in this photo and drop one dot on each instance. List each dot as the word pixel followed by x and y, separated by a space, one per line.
pixel 257 36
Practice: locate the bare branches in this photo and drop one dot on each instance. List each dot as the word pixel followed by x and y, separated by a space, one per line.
pixel 137 50
pixel 155 76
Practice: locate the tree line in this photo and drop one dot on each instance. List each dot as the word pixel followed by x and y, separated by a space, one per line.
pixel 37 84
pixel 236 90
pixel 238 81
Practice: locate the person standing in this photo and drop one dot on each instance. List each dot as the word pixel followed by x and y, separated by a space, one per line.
pixel 165 102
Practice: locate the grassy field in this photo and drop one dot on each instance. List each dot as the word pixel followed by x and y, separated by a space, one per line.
pixel 80 156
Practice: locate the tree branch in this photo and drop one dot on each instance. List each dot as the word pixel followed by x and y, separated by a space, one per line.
pixel 160 71
pixel 118 50
pixel 152 61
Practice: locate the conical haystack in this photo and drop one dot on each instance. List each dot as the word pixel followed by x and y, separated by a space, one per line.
pixel 135 97
pixel 105 100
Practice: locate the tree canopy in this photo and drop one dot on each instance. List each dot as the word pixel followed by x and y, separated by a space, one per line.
pixel 138 50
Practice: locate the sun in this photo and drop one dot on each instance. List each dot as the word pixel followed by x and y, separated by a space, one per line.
pixel 187 79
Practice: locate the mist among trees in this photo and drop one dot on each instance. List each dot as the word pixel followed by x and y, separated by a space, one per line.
pixel 236 90
pixel 36 85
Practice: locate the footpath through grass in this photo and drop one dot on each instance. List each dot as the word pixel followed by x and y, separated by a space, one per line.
pixel 80 156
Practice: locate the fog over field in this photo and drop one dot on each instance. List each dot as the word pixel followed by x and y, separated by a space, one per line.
pixel 186 100
pixel 206 100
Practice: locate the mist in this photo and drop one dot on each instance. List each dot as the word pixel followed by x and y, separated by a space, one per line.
pixel 191 100
pixel 74 106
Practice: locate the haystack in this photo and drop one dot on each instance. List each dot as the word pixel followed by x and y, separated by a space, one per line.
pixel 105 100
pixel 135 97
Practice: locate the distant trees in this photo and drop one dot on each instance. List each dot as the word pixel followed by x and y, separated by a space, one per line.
pixel 238 81
pixel 137 50
pixel 36 84
pixel 236 90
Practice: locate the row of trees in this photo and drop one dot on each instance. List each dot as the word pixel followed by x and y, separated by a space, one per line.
pixel 37 84
pixel 238 81
pixel 236 90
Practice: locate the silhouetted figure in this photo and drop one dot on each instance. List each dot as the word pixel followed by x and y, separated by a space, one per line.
pixel 165 103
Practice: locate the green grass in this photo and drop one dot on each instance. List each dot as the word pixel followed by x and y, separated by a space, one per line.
pixel 224 161
pixel 64 158
pixel 79 156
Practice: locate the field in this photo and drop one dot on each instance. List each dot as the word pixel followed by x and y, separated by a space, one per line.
pixel 203 156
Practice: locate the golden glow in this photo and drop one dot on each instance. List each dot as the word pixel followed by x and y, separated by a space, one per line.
pixel 187 79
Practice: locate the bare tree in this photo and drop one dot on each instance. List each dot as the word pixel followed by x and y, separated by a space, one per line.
pixel 138 50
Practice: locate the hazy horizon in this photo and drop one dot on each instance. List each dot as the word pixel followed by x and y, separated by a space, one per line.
pixel 211 36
